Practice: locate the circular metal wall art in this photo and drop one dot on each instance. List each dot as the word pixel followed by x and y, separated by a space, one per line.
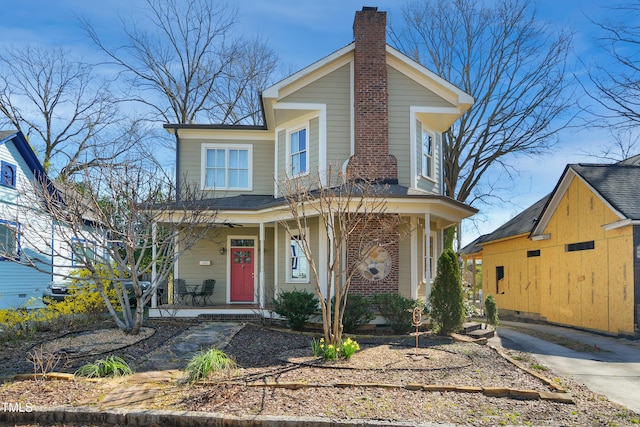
pixel 376 265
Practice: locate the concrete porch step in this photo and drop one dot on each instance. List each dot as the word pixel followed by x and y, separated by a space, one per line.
pixel 481 332
pixel 470 327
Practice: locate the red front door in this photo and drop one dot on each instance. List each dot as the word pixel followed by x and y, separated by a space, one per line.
pixel 242 274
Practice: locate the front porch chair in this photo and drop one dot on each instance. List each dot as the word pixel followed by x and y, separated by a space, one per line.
pixel 182 292
pixel 206 291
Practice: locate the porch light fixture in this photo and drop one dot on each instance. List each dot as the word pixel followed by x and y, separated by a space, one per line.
pixel 223 250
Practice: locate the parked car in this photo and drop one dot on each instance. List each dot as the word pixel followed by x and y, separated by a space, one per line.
pixel 60 290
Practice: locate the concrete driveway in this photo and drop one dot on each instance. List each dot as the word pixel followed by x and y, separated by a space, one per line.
pixel 613 370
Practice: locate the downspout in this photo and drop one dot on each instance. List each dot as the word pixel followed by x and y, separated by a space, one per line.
pixel 177 164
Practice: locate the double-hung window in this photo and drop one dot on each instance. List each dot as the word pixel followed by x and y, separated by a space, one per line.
pixel 427 154
pixel 299 265
pixel 82 251
pixel 9 246
pixel 298 152
pixel 227 168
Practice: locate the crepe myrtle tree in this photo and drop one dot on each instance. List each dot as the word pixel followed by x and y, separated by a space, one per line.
pixel 117 225
pixel 347 208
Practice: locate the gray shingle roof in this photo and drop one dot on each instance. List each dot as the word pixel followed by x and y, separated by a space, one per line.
pixel 520 224
pixel 254 202
pixel 618 184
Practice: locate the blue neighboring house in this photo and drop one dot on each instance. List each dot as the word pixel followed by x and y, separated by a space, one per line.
pixel 19 165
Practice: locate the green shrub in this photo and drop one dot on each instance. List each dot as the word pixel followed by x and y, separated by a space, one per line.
pixel 491 310
pixel 397 310
pixel 357 312
pixel 207 361
pixel 447 296
pixel 296 306
pixel 112 366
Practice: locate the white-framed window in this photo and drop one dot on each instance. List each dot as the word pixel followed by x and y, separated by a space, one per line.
pixel 9 240
pixel 82 251
pixel 298 264
pixel 429 255
pixel 227 167
pixel 428 140
pixel 298 152
pixel 8 174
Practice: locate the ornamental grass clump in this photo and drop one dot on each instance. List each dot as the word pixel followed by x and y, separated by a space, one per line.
pixel 346 349
pixel 208 361
pixel 112 366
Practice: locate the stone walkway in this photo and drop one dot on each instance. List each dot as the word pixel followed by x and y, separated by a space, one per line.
pixel 163 367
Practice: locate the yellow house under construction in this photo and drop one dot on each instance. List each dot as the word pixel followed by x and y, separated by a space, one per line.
pixel 572 258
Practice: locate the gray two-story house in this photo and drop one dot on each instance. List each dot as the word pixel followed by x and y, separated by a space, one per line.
pixel 365 106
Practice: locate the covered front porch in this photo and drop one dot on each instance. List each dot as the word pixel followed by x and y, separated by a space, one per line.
pixel 254 257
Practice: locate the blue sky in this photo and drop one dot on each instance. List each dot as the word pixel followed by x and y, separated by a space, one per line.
pixel 303 31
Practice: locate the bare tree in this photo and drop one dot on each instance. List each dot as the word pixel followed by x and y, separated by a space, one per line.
pixel 66 111
pixel 119 225
pixel 512 65
pixel 185 64
pixel 624 143
pixel 618 87
pixel 348 211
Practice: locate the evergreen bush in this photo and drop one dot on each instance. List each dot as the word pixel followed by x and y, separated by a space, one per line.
pixel 447 295
pixel 357 312
pixel 397 310
pixel 491 310
pixel 296 306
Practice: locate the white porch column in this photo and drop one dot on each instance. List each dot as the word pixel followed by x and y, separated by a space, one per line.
pixel 276 236
pixel 261 273
pixel 154 234
pixel 428 274
pixel 413 223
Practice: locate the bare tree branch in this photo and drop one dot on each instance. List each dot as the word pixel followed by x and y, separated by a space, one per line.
pixel 184 64
pixel 61 106
pixel 513 67
pixel 349 211
pixel 618 87
pixel 108 224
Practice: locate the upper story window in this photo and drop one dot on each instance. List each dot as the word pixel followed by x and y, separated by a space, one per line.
pixel 427 154
pixel 227 167
pixel 82 251
pixel 298 155
pixel 299 265
pixel 7 174
pixel 9 247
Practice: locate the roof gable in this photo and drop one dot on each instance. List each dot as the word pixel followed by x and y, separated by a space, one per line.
pixel 25 150
pixel 615 184
pixel 459 100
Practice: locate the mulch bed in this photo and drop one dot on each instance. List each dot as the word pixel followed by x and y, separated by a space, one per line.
pixel 345 390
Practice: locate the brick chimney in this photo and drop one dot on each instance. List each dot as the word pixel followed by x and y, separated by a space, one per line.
pixel 371 159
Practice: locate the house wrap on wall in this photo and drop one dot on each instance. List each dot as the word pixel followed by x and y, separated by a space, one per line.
pixel 573 257
pixel 366 108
